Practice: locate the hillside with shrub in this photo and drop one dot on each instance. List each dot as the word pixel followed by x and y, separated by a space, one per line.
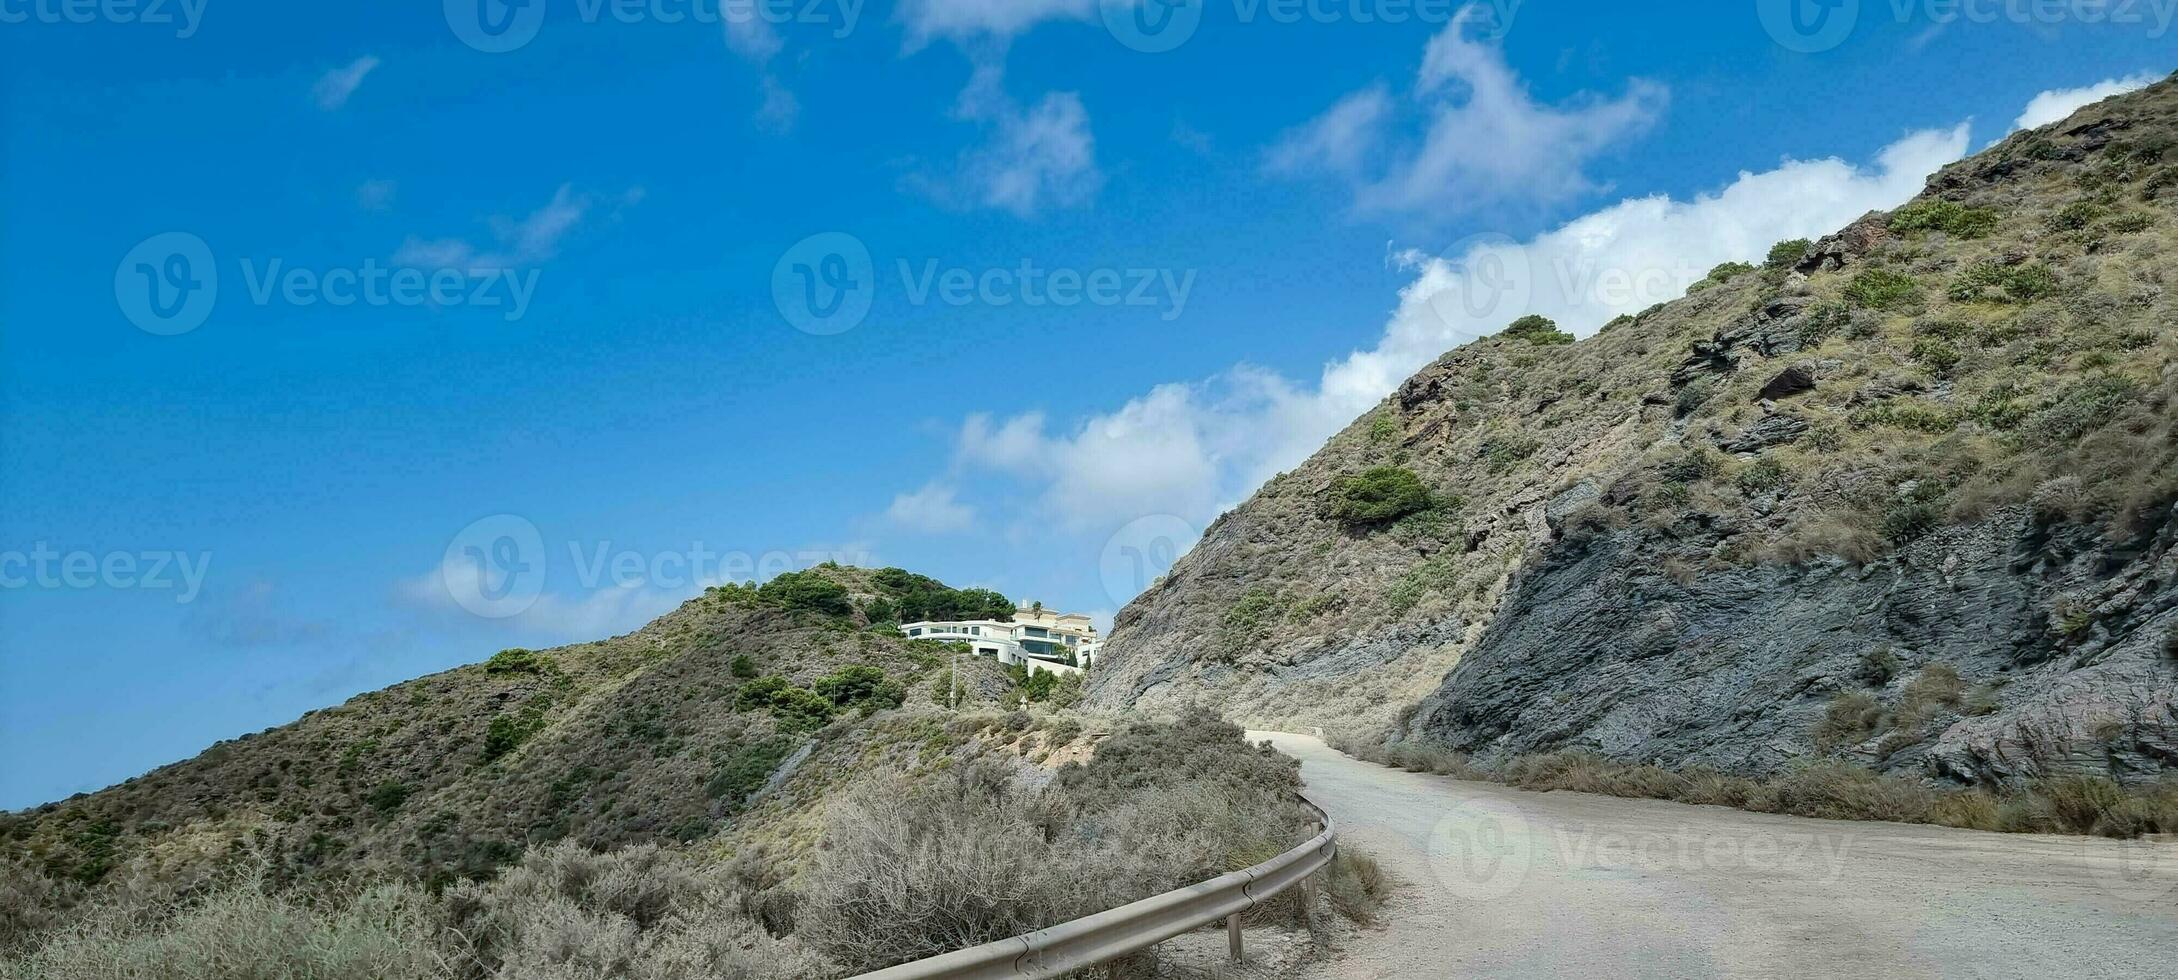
pixel 1900 499
pixel 770 781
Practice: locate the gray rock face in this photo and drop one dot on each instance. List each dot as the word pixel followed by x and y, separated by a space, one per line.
pixel 1773 430
pixel 1596 648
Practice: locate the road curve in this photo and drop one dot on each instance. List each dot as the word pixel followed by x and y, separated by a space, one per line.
pixel 1504 883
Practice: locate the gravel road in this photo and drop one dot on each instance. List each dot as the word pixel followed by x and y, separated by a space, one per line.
pixel 1503 883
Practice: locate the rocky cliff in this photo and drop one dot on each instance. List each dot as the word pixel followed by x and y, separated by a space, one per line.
pixel 1903 496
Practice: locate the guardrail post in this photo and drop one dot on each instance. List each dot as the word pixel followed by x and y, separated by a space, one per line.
pixel 1232 934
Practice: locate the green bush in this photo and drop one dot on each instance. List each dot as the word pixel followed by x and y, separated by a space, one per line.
pixel 1538 330
pixel 1823 322
pixel 1956 220
pixel 1913 515
pixel 1882 289
pixel 1039 685
pixel 743 667
pixel 1728 271
pixel 2132 222
pixel 861 686
pixel 796 708
pixel 1762 477
pixel 1912 416
pixel 1376 497
pixel 1383 428
pixel 1994 282
pixel 1788 253
pixel 510 729
pixel 2076 216
pixel 519 661
pixel 389 796
pixel 1937 355
pixel 807 591
pixel 918 598
pixel 2081 408
pixel 746 770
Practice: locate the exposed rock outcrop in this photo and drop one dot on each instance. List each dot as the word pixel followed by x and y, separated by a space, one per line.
pixel 1908 503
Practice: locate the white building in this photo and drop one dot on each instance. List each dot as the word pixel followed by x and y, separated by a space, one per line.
pixel 1038 639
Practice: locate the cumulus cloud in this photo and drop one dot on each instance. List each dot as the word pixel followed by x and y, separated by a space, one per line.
pixel 970 20
pixel 1030 160
pixel 931 510
pixel 1483 141
pixel 2056 104
pixel 605 611
pixel 334 87
pixel 1192 449
pixel 517 242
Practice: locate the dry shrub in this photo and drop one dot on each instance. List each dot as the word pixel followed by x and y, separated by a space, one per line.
pixel 1356 885
pixel 1838 791
pixel 31 902
pixel 640 912
pixel 913 868
pixel 563 913
pixel 1426 757
pixel 387 932
pixel 1849 719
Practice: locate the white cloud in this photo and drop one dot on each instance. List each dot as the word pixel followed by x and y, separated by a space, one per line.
pixel 334 87
pixel 531 239
pixel 1484 140
pixel 1336 141
pixel 2056 104
pixel 1030 159
pixel 605 611
pixel 755 40
pixel 1192 449
pixel 969 20
pixel 931 510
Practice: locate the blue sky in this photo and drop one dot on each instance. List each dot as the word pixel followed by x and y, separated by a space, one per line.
pixel 1106 291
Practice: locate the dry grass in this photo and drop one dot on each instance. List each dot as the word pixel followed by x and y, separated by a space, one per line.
pixel 912 868
pixel 1356 885
pixel 1832 789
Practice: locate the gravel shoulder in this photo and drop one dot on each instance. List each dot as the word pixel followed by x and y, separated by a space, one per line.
pixel 1503 883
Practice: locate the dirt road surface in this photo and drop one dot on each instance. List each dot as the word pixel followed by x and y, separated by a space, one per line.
pixel 1502 883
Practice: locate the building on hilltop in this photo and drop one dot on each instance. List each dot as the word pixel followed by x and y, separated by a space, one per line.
pixel 1037 639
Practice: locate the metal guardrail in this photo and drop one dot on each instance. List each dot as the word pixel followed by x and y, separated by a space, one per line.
pixel 1131 928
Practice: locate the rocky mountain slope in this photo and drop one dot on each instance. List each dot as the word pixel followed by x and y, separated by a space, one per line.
pixel 664 736
pixel 1903 496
